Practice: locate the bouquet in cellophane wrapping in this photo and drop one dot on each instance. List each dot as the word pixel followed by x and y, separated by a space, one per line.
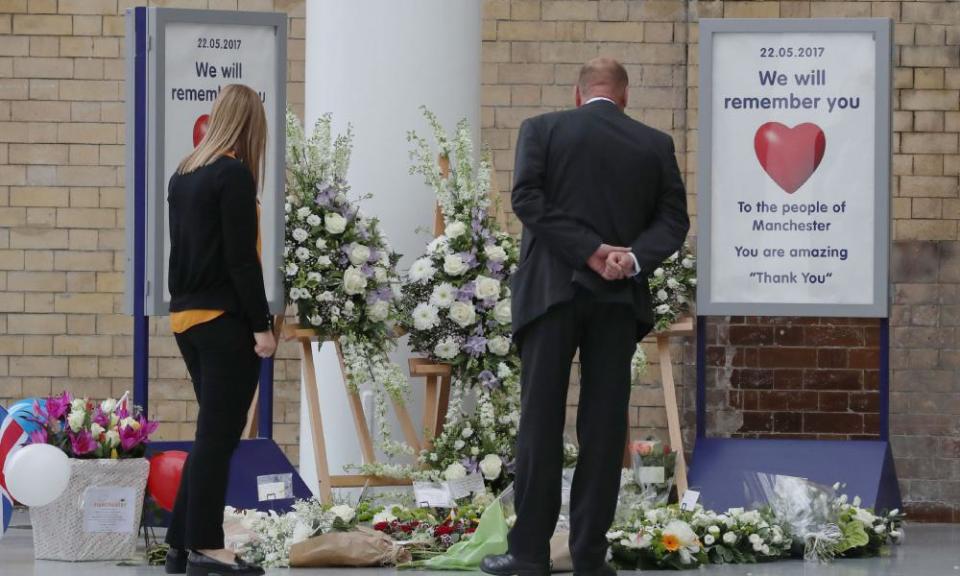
pixel 825 524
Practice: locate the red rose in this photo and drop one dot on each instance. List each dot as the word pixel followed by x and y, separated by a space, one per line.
pixel 381 526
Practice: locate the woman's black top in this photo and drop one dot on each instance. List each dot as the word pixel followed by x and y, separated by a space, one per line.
pixel 213 242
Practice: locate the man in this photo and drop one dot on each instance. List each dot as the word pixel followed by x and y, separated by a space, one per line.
pixel 602 205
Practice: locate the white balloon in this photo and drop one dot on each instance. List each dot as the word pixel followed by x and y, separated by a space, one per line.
pixel 37 474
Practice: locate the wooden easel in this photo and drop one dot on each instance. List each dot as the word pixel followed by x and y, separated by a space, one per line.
pixel 682 328
pixel 306 337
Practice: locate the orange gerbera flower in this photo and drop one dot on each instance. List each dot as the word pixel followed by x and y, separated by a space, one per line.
pixel 671 542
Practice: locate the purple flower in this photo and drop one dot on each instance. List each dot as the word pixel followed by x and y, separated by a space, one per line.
pixel 367 270
pixel 476 345
pixel 38 436
pixel 326 196
pixel 495 268
pixel 100 417
pixel 82 443
pixel 488 380
pixel 469 258
pixel 471 465
pixel 466 292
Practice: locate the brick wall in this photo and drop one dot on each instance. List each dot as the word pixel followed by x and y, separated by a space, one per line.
pixel 62 211
pixel 812 377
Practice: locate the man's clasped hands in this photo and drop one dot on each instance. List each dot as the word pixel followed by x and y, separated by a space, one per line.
pixel 612 262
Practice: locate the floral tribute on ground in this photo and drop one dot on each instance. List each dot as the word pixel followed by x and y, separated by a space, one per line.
pixel 84 428
pixel 339 269
pixel 456 308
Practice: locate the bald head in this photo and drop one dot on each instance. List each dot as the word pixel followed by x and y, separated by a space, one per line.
pixel 603 77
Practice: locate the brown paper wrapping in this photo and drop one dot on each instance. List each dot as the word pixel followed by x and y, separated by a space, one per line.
pixel 362 547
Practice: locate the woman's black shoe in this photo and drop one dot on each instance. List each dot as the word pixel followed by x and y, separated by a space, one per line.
pixel 176 562
pixel 202 565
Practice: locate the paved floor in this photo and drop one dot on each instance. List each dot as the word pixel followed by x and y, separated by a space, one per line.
pixel 930 550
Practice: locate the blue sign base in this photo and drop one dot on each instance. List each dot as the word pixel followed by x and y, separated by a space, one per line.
pixel 721 465
pixel 253 458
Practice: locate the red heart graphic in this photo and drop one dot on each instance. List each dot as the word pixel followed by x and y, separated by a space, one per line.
pixel 790 155
pixel 200 128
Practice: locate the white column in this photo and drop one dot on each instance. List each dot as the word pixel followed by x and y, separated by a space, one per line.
pixel 373 63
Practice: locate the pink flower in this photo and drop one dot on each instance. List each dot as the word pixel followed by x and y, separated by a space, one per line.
pixel 82 443
pixel 100 417
pixel 57 406
pixel 136 432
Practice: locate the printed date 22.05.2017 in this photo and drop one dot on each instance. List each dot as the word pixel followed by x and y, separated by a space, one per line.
pixel 792 52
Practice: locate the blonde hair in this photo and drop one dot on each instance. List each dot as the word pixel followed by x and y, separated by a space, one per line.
pixel 238 124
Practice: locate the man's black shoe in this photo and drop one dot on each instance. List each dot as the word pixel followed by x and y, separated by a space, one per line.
pixel 176 562
pixel 202 565
pixel 507 565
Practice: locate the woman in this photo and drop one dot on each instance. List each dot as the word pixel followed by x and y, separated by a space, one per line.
pixel 219 316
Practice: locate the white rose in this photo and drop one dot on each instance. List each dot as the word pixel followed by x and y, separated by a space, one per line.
pixel 474 451
pixel 663 308
pixel 359 254
pixel 75 420
pixel 447 348
pixel 321 244
pixel 314 220
pixel 323 261
pixel 315 320
pixel 499 345
pixel 658 272
pixel 299 234
pixel 754 538
pixel 491 466
pixel 354 281
pixel 467 432
pixel 463 314
pixel 443 295
pixel 501 312
pixel 335 223
pixel 503 371
pixel 303 253
pixel 672 284
pixel 108 405
pixel 425 317
pixel 303 212
pixel 686 263
pixel 455 471
pixel 692 281
pixel 380 274
pixel 714 530
pixel 459 444
pixel 422 270
pixel 455 230
pixel 709 540
pixel 379 311
pixel 343 512
pixel 495 253
pixel 454 265
pixel 314 277
pixel 292 269
pixel 440 245
pixel 662 295
pixel 730 538
pixel 487 288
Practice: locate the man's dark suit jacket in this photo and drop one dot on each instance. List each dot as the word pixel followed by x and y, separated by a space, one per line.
pixel 588 176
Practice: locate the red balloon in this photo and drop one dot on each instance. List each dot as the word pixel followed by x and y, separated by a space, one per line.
pixel 166 468
pixel 200 128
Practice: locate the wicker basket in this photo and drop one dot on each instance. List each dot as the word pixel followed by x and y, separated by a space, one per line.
pixel 58 527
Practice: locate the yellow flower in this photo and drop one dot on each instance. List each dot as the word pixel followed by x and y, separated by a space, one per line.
pixel 114 455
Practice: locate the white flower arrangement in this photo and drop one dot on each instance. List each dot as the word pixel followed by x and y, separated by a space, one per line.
pixel 340 270
pixel 673 287
pixel 274 534
pixel 456 298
